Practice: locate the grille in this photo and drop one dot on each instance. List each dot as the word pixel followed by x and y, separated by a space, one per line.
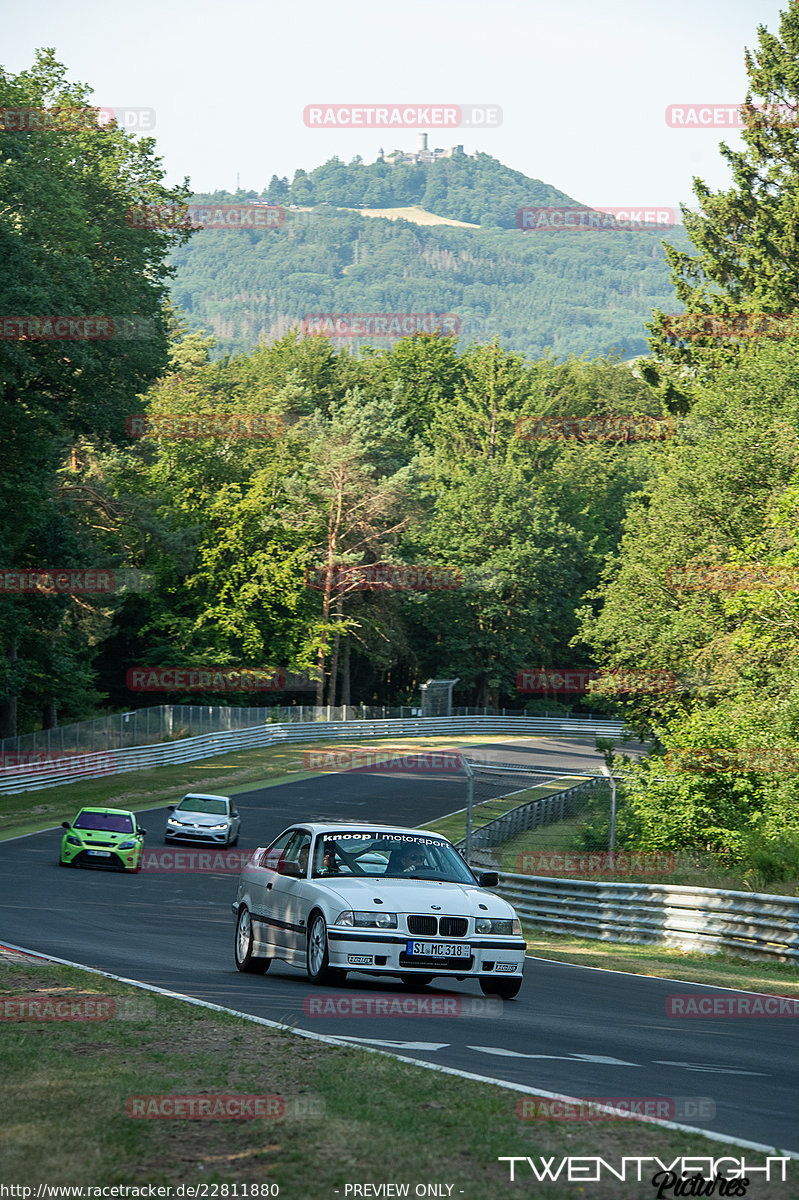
pixel 114 863
pixel 420 924
pixel 453 926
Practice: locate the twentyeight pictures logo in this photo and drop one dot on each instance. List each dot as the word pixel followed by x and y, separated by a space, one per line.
pixel 402 116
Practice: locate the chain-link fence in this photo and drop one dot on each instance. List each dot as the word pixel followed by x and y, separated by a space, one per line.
pixel 169 722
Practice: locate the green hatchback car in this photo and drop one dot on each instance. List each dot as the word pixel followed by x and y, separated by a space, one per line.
pixel 109 838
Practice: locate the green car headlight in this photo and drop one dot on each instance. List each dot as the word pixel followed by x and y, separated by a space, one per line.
pixel 73 841
pixel 126 846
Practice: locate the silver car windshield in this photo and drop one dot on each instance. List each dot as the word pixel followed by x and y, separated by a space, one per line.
pixel 216 807
pixel 389 855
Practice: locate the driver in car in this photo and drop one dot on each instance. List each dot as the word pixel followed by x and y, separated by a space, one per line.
pixel 409 859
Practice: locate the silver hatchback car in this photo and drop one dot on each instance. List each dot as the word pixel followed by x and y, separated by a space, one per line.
pixel 202 817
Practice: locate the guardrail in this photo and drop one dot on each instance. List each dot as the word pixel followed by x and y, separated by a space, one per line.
pixel 92 766
pixel 544 811
pixel 691 918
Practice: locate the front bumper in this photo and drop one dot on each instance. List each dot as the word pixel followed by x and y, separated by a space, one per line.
pixel 218 837
pixel 124 860
pixel 374 951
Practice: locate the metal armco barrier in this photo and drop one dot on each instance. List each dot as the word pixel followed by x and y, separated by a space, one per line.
pixel 135 758
pixel 556 807
pixel 691 918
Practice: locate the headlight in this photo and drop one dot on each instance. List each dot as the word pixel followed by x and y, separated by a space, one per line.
pixel 73 841
pixel 367 920
pixel 504 925
pixel 174 821
pixel 224 825
pixel 126 845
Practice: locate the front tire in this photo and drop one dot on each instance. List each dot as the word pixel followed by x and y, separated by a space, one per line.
pixel 506 989
pixel 317 956
pixel 245 961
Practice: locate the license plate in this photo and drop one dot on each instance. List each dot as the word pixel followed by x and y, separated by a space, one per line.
pixel 438 950
pixel 100 853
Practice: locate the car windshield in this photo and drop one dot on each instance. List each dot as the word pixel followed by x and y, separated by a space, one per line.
pixel 192 804
pixel 110 822
pixel 393 855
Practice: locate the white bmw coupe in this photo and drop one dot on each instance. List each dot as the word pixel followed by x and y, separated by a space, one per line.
pixel 386 900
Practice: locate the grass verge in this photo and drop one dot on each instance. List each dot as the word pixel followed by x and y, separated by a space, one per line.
pixel 723 970
pixel 349 1117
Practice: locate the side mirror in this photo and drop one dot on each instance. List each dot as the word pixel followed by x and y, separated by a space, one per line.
pixel 488 879
pixel 289 868
pixel 234 813
pixel 171 807
pixel 142 832
pixel 65 825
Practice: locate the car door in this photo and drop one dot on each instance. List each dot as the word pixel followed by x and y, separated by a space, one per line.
pixel 288 897
pixel 261 882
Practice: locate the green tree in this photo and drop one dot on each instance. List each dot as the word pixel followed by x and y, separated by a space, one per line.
pixel 745 238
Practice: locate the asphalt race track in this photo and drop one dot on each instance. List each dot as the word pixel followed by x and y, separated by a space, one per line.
pixel 572 1030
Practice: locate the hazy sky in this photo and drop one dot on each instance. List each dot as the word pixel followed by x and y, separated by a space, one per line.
pixel 583 86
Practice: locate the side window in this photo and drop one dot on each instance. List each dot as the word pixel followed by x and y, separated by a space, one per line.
pixel 300 840
pixel 271 857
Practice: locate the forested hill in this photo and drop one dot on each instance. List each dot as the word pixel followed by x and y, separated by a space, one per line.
pixel 480 190
pixel 579 292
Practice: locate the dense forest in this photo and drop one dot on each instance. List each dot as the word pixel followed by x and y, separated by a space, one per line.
pixel 569 550
pixel 566 292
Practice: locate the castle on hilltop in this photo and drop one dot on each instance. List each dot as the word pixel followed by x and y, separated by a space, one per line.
pixel 422 155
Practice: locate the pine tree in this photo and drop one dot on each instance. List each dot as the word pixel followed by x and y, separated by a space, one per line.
pixel 747 237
